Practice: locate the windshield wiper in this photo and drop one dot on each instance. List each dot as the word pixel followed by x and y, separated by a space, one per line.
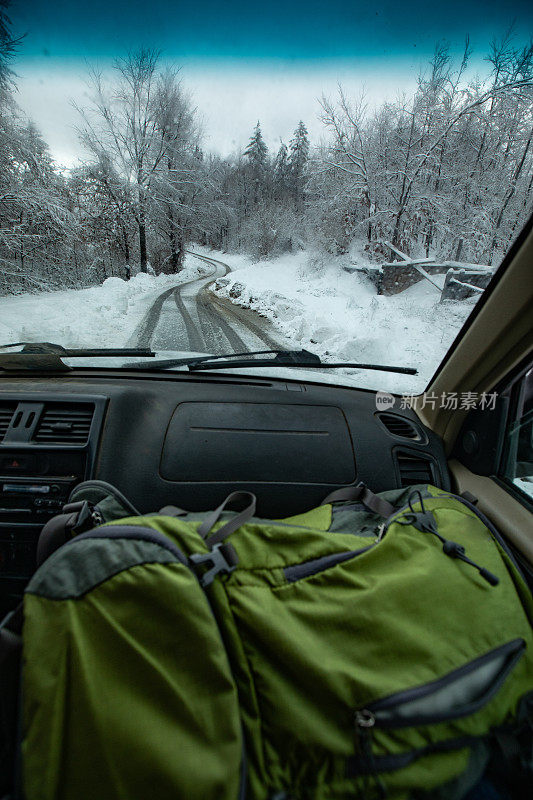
pixel 48 356
pixel 49 348
pixel 282 358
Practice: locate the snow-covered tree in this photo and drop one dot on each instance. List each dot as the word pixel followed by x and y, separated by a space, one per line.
pixel 298 158
pixel 256 152
pixel 256 160
pixel 444 170
pixel 8 46
pixel 101 201
pixel 140 122
pixel 281 174
pixel 178 188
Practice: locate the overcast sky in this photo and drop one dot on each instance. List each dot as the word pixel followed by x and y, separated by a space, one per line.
pixel 243 62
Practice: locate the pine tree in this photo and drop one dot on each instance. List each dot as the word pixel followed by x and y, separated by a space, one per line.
pixel 298 158
pixel 256 178
pixel 281 172
pixel 257 150
pixel 299 149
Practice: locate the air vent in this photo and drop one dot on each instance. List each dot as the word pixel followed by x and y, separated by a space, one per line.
pixel 6 413
pixel 64 423
pixel 414 469
pixel 400 426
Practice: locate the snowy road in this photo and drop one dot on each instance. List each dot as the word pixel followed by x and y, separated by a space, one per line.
pixel 189 317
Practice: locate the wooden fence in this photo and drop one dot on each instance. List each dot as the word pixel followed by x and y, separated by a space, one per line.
pixel 455 280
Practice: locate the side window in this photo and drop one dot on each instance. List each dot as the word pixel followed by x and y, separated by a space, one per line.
pixel 517 463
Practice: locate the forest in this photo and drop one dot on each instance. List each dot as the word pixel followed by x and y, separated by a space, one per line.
pixel 445 171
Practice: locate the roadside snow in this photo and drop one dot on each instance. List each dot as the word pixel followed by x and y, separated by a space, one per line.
pixel 526 484
pixel 101 316
pixel 314 304
pixel 319 306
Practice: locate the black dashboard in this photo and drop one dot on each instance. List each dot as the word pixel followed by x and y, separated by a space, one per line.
pixel 189 440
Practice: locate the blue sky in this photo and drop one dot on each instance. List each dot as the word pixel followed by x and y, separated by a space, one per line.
pixel 244 60
pixel 287 30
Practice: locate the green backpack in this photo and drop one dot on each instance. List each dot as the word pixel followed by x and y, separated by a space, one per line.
pixel 377 646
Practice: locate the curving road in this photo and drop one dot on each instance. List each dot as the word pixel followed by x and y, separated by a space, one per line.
pixel 189 317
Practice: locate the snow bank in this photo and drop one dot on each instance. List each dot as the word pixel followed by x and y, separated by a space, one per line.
pixel 101 316
pixel 319 306
pixel 526 484
pixel 314 303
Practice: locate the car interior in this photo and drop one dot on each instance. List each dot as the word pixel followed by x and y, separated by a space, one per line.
pixel 189 439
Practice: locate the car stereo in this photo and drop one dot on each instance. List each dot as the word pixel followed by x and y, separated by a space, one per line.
pixel 47 446
pixel 26 504
pixel 33 500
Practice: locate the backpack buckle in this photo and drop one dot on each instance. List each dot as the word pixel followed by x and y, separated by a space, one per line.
pixel 88 517
pixel 222 557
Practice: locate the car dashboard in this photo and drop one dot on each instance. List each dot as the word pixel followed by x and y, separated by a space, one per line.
pixel 189 440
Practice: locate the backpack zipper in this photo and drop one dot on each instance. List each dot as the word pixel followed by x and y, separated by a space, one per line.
pixel 380 532
pixel 425 521
pixel 364 725
pixel 451 549
pixel 296 572
pixel 380 713
pixel 382 529
pixel 488 524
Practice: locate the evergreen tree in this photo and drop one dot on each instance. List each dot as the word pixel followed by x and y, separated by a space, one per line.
pixel 299 149
pixel 255 180
pixel 281 173
pixel 256 152
pixel 298 158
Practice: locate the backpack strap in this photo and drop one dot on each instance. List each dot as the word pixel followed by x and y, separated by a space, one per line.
pixel 363 494
pixel 78 518
pixel 54 534
pixel 90 504
pixel 221 556
pixel 234 523
pixel 169 511
pixel 96 491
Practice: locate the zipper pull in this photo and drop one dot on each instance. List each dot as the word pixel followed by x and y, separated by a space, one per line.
pixel 455 550
pixel 96 515
pixel 425 521
pixel 88 516
pixel 380 532
pixel 364 722
pixel 364 719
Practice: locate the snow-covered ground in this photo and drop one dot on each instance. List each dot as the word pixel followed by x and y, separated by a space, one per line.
pixel 101 316
pixel 319 306
pixel 312 302
pixel 526 484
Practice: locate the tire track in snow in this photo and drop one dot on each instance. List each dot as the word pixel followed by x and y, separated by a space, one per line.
pixel 196 342
pixel 242 316
pixel 206 306
pixel 228 308
pixel 207 326
pixel 142 336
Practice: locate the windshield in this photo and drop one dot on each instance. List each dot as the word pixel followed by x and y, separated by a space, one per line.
pixel 340 178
